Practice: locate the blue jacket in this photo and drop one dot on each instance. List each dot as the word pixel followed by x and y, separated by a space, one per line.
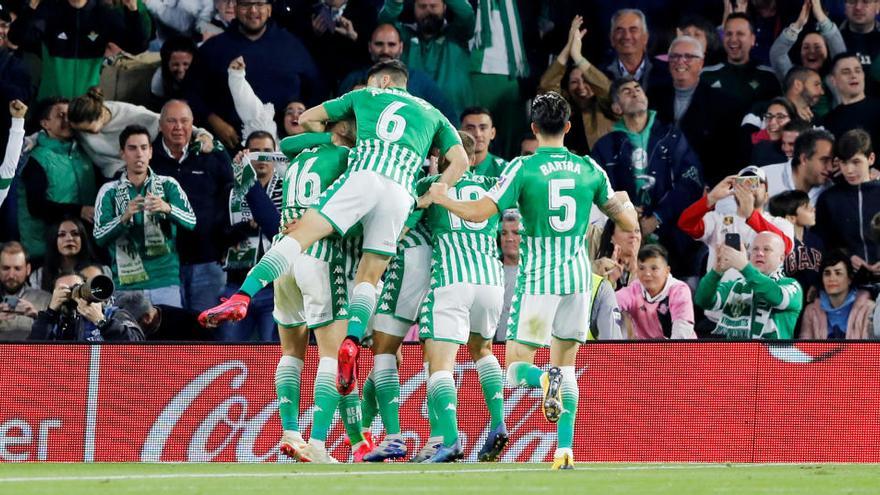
pixel 419 84
pixel 843 219
pixel 278 67
pixel 674 167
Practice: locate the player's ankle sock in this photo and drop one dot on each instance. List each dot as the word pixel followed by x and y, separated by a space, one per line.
pixel 387 383
pixel 350 412
pixel 326 398
pixel 271 265
pixel 369 408
pixel 570 394
pixel 492 383
pixel 442 393
pixel 287 382
pixel 360 308
pixel 521 373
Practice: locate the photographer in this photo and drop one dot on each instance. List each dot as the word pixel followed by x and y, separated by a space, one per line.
pixel 763 304
pixel 70 317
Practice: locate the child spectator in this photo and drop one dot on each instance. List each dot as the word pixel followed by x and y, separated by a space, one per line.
pixel 658 305
pixel 802 263
pixel 841 311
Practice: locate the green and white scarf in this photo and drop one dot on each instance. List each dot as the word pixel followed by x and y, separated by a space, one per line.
pixel 243 255
pixel 128 258
pixel 482 39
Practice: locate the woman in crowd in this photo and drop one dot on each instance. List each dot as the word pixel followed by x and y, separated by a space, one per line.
pixel 657 305
pixel 586 89
pixel 841 311
pixel 69 248
pixel 178 55
pixel 766 143
pixel 617 256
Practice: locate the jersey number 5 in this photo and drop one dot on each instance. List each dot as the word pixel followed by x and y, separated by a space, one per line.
pixel 563 221
pixel 390 125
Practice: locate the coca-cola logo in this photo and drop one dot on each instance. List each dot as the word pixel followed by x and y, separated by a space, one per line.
pixel 238 424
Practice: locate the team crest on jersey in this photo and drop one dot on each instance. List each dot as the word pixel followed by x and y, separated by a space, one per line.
pixel 92 36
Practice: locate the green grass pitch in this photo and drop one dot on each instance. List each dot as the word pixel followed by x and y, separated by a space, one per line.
pixel 453 479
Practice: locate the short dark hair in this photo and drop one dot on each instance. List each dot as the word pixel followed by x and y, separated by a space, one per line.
pixel 797 73
pixel 130 131
pixel 834 257
pixel 618 83
pixel 476 111
pixel 842 56
pixel 704 25
pixel 784 103
pixel 649 251
pixel 394 68
pixel 550 112
pixel 796 125
pixel 805 144
pixel 787 203
pixel 44 107
pixel 743 16
pixel 260 135
pixel 853 142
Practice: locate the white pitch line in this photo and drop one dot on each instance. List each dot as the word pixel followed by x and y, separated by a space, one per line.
pixel 582 467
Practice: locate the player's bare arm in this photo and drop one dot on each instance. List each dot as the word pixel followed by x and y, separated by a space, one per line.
pixel 620 209
pixel 314 119
pixel 471 211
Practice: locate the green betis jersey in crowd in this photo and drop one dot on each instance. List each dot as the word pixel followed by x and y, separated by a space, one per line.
pixel 395 131
pixel 554 190
pixel 316 164
pixel 755 306
pixel 464 252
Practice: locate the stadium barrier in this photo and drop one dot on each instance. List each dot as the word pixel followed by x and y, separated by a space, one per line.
pixel 657 402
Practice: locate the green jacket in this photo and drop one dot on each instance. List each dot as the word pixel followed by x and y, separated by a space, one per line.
pixel 162 270
pixel 755 306
pixel 71 181
pixel 445 58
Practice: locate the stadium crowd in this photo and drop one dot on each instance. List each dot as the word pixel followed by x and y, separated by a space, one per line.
pixel 145 142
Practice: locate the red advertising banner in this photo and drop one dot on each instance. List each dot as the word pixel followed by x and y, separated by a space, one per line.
pixel 653 402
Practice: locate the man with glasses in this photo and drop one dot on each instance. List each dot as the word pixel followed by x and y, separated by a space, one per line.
pixel 654 164
pixel 861 32
pixel 707 117
pixel 286 72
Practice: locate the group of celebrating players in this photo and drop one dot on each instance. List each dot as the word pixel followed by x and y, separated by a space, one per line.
pixel 354 201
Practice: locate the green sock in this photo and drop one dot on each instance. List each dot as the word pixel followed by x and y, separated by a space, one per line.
pixel 525 374
pixel 432 415
pixel 492 383
pixel 387 383
pixel 443 396
pixel 271 266
pixel 287 382
pixel 326 398
pixel 360 308
pixel 369 407
pixel 570 394
pixel 350 412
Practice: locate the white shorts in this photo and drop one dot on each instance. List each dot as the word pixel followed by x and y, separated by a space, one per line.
pixel 310 293
pixel 377 202
pixel 407 281
pixel 535 318
pixel 452 312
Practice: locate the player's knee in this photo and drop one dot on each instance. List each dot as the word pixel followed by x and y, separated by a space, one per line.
pixel 479 348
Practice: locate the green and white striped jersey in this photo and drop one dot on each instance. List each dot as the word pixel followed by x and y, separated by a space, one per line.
pixel 395 131
pixel 464 252
pixel 308 175
pixel 553 190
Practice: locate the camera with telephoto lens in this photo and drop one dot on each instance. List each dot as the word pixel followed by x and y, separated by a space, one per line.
pixel 96 289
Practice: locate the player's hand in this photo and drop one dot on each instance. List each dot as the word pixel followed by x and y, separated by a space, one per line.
pixel 289 227
pixel 17 109
pixel 438 192
pixel 237 63
pixel 134 205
